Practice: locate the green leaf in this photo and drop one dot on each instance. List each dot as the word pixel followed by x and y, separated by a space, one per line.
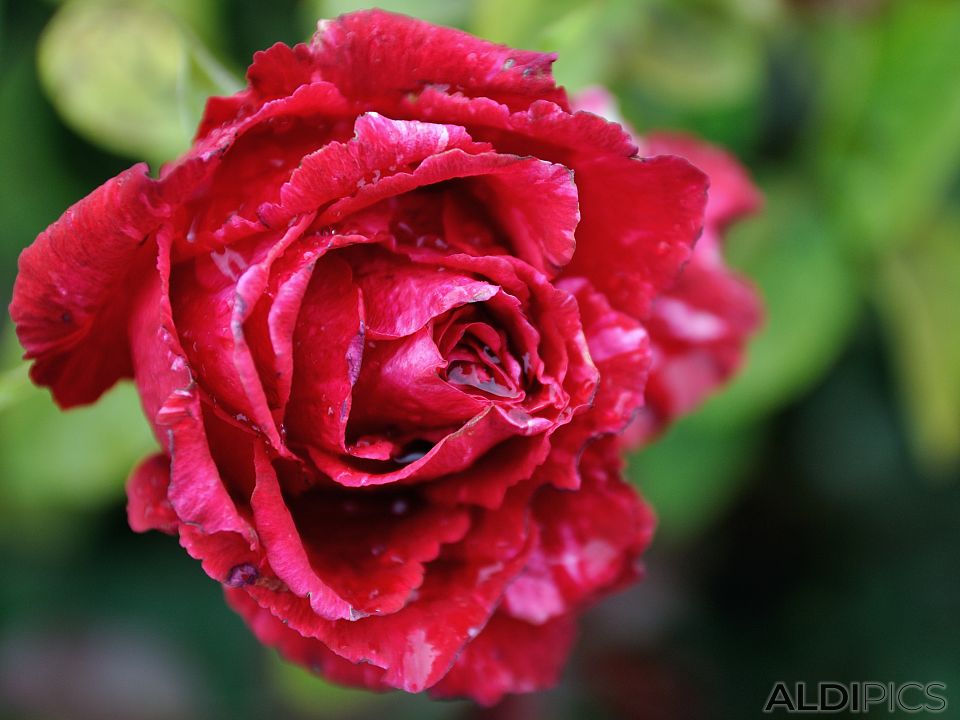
pixel 449 12
pixel 918 295
pixel 693 59
pixel 128 76
pixel 54 463
pixel 887 144
pixel 692 474
pixel 811 298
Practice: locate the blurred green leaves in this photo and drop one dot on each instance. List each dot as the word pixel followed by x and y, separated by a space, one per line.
pixel 918 295
pixel 886 138
pixel 56 464
pixel 447 12
pixel 885 144
pixel 129 76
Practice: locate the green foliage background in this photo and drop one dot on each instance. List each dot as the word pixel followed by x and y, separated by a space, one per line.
pixel 809 514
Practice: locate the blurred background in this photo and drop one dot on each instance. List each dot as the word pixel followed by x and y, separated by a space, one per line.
pixel 809 515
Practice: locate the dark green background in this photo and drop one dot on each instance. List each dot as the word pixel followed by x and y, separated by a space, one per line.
pixel 809 515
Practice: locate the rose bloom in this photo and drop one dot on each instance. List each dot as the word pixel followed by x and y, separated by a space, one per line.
pixel 387 318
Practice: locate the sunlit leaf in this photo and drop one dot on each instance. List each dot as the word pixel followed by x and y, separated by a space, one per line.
pixel 128 76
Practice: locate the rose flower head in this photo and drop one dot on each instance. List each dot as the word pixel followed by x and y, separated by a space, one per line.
pixel 387 318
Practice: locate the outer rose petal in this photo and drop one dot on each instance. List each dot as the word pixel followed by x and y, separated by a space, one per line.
pixel 462 587
pixel 510 656
pixel 732 192
pixel 211 528
pixel 375 54
pixel 147 505
pixel 700 325
pixel 588 540
pixel 71 295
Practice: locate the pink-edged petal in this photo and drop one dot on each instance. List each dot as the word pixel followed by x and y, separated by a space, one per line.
pixel 542 233
pixel 327 353
pixel 545 130
pixel 275 73
pixel 589 540
pixel 284 546
pixel 509 656
pixel 242 164
pixel 373 54
pixel 452 454
pixel 379 148
pixel 701 325
pixel 374 550
pixel 699 330
pixel 402 298
pixel 462 588
pixel 148 507
pixel 73 290
pixel 400 386
pixel 271 325
pixel 732 192
pixel 639 218
pixel 213 297
pixel 487 480
pixel 212 528
pixel 305 651
pixel 620 348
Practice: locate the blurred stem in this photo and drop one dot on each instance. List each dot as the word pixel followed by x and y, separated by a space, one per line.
pixel 225 81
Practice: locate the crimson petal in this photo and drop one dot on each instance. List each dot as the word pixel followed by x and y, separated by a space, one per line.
pixel 509 656
pixel 375 54
pixel 68 300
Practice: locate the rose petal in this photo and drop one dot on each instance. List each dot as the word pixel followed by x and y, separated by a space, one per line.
pixel 380 146
pixel 732 192
pixel 284 546
pixel 400 387
pixel 700 326
pixel 71 295
pixel 373 550
pixel 147 505
pixel 509 656
pixel 639 219
pixel 588 540
pixel 327 353
pixel 462 587
pixel 403 297
pixel 453 453
pixel 211 527
pixel 374 54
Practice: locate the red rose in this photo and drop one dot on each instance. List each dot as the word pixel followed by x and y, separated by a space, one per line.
pixel 385 318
